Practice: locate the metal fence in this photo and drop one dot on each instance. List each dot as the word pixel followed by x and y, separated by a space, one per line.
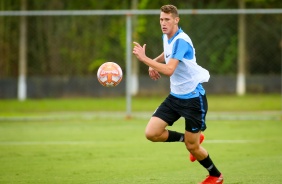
pixel 65 48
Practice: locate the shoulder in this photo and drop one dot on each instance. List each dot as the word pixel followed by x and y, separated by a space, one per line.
pixel 184 36
pixel 182 43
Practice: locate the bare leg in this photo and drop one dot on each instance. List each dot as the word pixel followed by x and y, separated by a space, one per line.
pixel 193 145
pixel 156 130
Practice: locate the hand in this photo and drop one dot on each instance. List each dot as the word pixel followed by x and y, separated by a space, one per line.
pixel 139 51
pixel 154 74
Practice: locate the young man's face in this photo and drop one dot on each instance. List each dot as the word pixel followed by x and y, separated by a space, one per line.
pixel 169 24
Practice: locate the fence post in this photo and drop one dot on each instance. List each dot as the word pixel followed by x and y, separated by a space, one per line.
pixel 128 63
pixel 241 75
pixel 135 63
pixel 22 54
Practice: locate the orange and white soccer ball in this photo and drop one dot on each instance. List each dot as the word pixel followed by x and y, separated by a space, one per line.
pixel 109 74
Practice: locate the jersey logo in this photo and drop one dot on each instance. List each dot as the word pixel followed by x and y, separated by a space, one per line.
pixel 167 55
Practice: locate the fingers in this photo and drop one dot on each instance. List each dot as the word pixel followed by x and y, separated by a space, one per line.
pixel 136 44
pixel 144 46
pixel 139 51
pixel 136 47
pixel 154 74
pixel 157 76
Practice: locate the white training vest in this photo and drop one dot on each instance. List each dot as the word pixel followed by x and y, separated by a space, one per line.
pixel 188 74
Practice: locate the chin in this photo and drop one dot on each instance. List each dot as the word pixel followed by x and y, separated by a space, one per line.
pixel 165 32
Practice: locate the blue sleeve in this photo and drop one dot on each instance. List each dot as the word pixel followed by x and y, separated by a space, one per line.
pixel 182 49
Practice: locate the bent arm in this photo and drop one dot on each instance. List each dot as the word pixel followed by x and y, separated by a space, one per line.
pixel 166 69
pixel 160 58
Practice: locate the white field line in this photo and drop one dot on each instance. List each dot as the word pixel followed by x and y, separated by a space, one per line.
pixel 237 116
pixel 232 141
pixel 27 143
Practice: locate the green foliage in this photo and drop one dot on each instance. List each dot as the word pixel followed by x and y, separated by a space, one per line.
pixel 68 45
pixel 223 61
pixel 96 64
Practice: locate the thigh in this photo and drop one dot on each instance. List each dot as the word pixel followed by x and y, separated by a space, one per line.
pixel 156 125
pixel 195 114
pixel 167 112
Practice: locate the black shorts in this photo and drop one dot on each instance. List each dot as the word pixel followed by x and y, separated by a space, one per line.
pixel 194 111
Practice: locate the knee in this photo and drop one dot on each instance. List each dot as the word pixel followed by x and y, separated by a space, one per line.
pixel 150 135
pixel 156 130
pixel 191 147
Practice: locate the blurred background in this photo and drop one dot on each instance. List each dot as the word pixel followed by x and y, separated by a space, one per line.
pixel 58 55
pixel 59 125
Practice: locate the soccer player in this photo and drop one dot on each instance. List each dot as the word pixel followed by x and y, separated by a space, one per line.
pixel 187 96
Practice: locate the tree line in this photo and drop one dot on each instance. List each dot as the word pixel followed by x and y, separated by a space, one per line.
pixel 77 45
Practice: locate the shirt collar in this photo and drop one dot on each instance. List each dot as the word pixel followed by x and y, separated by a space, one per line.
pixel 178 31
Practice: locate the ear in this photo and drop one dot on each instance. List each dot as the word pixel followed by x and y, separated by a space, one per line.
pixel 176 20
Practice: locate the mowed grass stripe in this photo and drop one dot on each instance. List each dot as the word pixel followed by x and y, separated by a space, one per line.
pixel 258 115
pixel 75 143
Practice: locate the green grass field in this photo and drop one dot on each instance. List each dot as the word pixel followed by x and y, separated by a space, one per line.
pixel 85 141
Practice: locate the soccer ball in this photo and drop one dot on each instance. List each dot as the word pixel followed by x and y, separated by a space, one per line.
pixel 109 74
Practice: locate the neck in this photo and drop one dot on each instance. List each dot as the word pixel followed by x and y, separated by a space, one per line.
pixel 170 35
